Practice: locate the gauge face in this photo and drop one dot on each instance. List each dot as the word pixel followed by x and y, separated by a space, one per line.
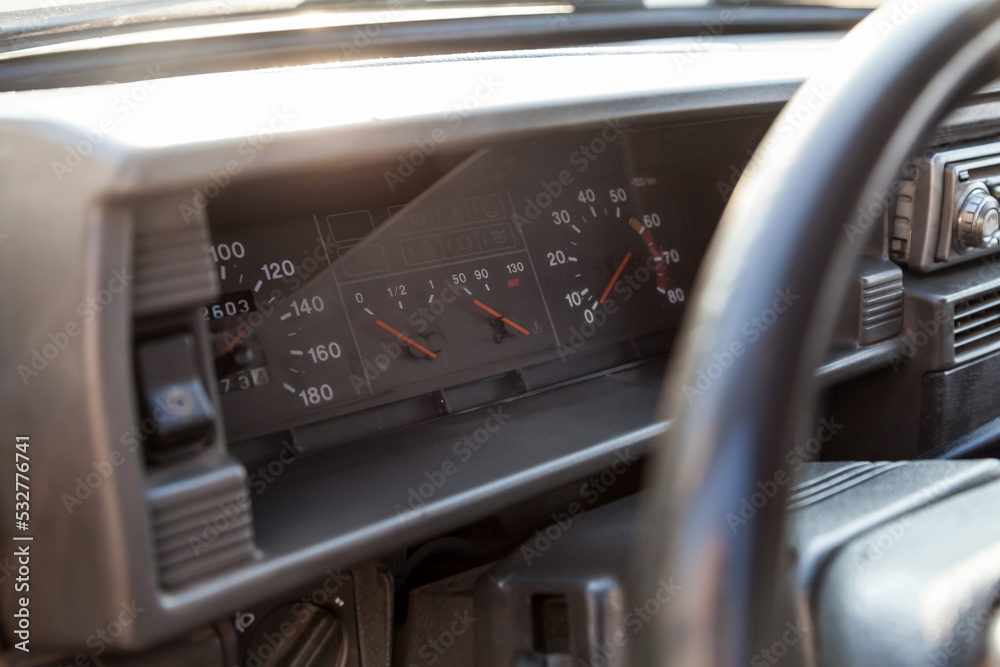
pixel 444 319
pixel 613 261
pixel 334 313
pixel 278 336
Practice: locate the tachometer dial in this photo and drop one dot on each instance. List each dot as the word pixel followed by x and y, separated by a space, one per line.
pixel 617 260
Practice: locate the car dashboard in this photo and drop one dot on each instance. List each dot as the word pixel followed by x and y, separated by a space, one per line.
pixel 297 318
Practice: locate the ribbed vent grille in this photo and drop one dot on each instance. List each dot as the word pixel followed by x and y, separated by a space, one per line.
pixel 977 326
pixel 199 537
pixel 881 304
pixel 173 268
pixel 834 482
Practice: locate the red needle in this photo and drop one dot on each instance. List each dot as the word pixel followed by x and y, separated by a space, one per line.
pixel 614 278
pixel 406 340
pixel 229 348
pixel 501 317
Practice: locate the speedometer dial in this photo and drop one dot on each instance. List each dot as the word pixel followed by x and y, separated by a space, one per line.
pixel 279 335
pixel 615 261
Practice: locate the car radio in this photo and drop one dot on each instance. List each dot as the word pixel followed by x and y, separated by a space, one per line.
pixel 947 209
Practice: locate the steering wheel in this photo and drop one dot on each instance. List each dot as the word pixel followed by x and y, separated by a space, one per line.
pixel 791 228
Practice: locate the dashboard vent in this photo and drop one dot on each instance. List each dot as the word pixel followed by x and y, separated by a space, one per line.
pixel 173 268
pixel 881 305
pixel 201 532
pixel 977 326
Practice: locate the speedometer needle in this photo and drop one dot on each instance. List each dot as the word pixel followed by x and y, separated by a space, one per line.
pixel 500 317
pixel 614 278
pixel 232 344
pixel 414 344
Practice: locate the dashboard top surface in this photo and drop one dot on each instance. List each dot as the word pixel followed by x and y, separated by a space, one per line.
pixel 162 112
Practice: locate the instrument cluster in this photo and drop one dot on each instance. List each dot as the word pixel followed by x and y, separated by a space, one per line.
pixel 505 262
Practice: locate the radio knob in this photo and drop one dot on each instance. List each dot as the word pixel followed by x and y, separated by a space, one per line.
pixel 978 223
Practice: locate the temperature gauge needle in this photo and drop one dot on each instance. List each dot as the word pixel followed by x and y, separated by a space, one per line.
pixel 415 345
pixel 500 317
pixel 614 278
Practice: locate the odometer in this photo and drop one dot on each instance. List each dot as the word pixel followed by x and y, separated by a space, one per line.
pixel 279 332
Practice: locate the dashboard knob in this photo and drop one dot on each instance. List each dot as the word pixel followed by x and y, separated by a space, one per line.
pixel 978 223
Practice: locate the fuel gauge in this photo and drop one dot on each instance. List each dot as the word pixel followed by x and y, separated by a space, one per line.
pixel 379 309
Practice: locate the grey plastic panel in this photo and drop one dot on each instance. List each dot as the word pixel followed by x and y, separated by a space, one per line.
pixel 202 524
pixel 929 565
pixel 584 558
pixel 61 249
pixel 172 266
pixel 839 512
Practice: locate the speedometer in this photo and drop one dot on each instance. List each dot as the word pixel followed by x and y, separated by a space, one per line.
pixel 613 260
pixel 280 340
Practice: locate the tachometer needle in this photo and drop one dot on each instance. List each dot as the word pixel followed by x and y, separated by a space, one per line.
pixel 500 317
pixel 614 278
pixel 412 343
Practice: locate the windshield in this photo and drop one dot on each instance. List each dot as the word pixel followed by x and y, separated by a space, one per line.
pixel 25 23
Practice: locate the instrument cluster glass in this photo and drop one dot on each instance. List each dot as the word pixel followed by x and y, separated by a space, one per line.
pixel 509 260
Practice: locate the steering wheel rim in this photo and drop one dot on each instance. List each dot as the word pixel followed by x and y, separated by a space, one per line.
pixel 733 406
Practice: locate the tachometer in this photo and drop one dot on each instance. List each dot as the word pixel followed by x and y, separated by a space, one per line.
pixel 611 260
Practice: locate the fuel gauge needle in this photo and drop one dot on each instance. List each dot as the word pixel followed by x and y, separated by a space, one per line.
pixel 614 278
pixel 500 317
pixel 415 345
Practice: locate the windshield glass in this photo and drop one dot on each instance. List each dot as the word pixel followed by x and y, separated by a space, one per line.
pixel 25 23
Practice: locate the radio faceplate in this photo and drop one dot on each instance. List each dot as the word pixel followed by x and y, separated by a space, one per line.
pixel 946 208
